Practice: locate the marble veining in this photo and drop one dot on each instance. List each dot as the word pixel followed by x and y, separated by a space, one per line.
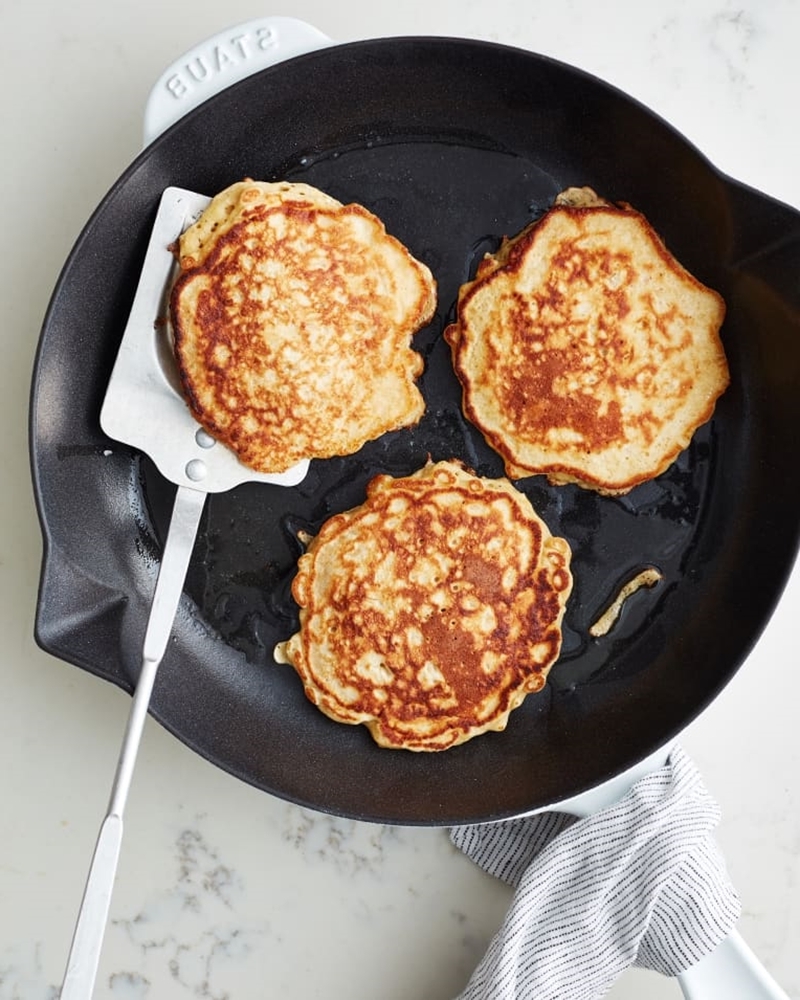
pixel 726 36
pixel 206 928
pixel 191 927
pixel 352 848
pixel 732 32
pixel 21 974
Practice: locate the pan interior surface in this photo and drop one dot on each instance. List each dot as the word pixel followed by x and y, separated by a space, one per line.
pixel 454 144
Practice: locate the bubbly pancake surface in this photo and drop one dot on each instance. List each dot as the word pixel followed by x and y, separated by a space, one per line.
pixel 432 610
pixel 585 350
pixel 292 320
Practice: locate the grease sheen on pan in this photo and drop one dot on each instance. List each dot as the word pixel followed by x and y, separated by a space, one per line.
pixel 431 611
pixel 585 350
pixel 292 319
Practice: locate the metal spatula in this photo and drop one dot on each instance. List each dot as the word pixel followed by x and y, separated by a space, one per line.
pixel 143 408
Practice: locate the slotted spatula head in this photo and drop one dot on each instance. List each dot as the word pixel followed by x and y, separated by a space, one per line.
pixel 143 405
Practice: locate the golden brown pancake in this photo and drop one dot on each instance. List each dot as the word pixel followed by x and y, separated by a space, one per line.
pixel 585 351
pixel 432 610
pixel 292 319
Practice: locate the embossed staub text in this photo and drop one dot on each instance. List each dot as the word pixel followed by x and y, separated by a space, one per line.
pixel 218 58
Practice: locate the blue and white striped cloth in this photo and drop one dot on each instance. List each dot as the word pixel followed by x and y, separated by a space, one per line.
pixel 641 882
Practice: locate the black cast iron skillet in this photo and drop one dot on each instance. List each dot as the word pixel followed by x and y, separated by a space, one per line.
pixel 453 143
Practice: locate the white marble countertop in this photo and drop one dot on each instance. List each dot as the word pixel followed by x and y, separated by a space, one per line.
pixel 223 891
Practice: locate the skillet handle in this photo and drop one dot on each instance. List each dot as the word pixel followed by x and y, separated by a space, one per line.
pixel 730 972
pixel 222 60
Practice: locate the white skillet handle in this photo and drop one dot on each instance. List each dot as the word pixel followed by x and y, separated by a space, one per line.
pixel 222 60
pixel 730 972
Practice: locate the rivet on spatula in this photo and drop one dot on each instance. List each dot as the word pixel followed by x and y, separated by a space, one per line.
pixel 196 470
pixel 204 439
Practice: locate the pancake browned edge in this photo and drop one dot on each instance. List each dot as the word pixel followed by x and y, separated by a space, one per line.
pixel 432 610
pixel 292 320
pixel 585 351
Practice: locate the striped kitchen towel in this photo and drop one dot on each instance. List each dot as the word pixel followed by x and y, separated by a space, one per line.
pixel 641 882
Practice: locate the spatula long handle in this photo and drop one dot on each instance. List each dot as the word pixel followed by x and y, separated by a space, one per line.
pixel 87 940
pixel 84 956
pixel 178 547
